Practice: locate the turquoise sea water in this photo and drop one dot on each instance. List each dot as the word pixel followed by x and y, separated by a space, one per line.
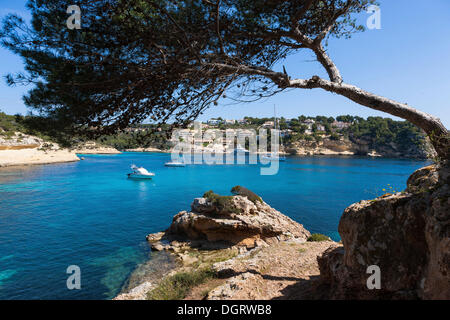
pixel 89 214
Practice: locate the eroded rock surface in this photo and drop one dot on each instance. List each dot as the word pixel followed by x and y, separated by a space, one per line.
pixel 240 222
pixel 405 234
pixel 286 270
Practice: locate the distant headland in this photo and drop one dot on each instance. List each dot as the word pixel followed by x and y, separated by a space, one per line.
pixel 303 136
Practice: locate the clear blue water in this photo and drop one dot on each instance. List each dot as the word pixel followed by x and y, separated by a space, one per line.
pixel 89 214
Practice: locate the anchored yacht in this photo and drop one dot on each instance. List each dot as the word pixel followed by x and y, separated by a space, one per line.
pixel 140 173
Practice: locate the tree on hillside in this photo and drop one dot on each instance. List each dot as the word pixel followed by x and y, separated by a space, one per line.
pixel 347 118
pixel 169 60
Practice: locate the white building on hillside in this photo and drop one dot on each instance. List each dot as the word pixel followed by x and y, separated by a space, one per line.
pixel 268 124
pixel 214 122
pixel 320 127
pixel 340 125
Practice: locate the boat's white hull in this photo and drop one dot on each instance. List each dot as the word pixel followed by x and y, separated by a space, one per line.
pixel 140 176
pixel 171 164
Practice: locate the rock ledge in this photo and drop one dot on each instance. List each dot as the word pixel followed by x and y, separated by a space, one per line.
pixel 228 221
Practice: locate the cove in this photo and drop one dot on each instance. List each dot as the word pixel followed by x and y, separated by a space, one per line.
pixel 89 214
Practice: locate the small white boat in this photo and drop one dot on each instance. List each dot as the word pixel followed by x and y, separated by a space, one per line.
pixel 240 149
pixel 140 173
pixel 174 164
pixel 273 157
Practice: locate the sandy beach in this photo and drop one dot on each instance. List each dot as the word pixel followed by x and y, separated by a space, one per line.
pixel 35 156
pixel 97 150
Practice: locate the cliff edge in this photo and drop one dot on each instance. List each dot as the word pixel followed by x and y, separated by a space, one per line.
pixel 222 221
pixel 238 247
pixel 406 235
pixel 226 246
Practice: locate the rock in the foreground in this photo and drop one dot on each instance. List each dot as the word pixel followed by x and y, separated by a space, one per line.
pixel 223 237
pixel 219 221
pixel 287 270
pixel 407 235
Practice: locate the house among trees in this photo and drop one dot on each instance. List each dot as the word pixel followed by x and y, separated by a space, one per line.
pixel 320 128
pixel 268 124
pixel 340 125
pixel 308 123
pixel 214 122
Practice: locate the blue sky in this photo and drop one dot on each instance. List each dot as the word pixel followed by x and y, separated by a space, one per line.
pixel 408 60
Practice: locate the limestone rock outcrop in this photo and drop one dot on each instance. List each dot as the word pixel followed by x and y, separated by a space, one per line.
pixel 357 146
pixel 407 235
pixel 229 221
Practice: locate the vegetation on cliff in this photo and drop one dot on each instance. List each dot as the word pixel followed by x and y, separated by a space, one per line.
pixel 318 237
pixel 384 132
pixel 177 286
pixel 142 136
pixel 242 191
pixel 384 135
pixel 10 124
pixel 220 202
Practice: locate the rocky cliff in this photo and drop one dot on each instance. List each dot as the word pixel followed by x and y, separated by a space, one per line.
pixel 240 240
pixel 229 221
pixel 323 147
pixel 327 146
pixel 255 252
pixel 407 235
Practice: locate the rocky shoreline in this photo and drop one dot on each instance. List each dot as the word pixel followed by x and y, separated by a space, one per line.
pixel 228 233
pixel 255 252
pixel 345 147
pixel 148 149
pixel 21 149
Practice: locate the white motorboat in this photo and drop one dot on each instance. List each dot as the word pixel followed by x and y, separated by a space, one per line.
pixel 240 149
pixel 140 173
pixel 174 164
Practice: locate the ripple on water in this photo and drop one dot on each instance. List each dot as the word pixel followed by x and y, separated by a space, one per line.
pixel 6 274
pixel 152 270
pixel 117 267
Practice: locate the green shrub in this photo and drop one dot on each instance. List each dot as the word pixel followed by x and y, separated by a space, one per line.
pixel 177 286
pixel 242 191
pixel 317 237
pixel 221 202
pixel 334 136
